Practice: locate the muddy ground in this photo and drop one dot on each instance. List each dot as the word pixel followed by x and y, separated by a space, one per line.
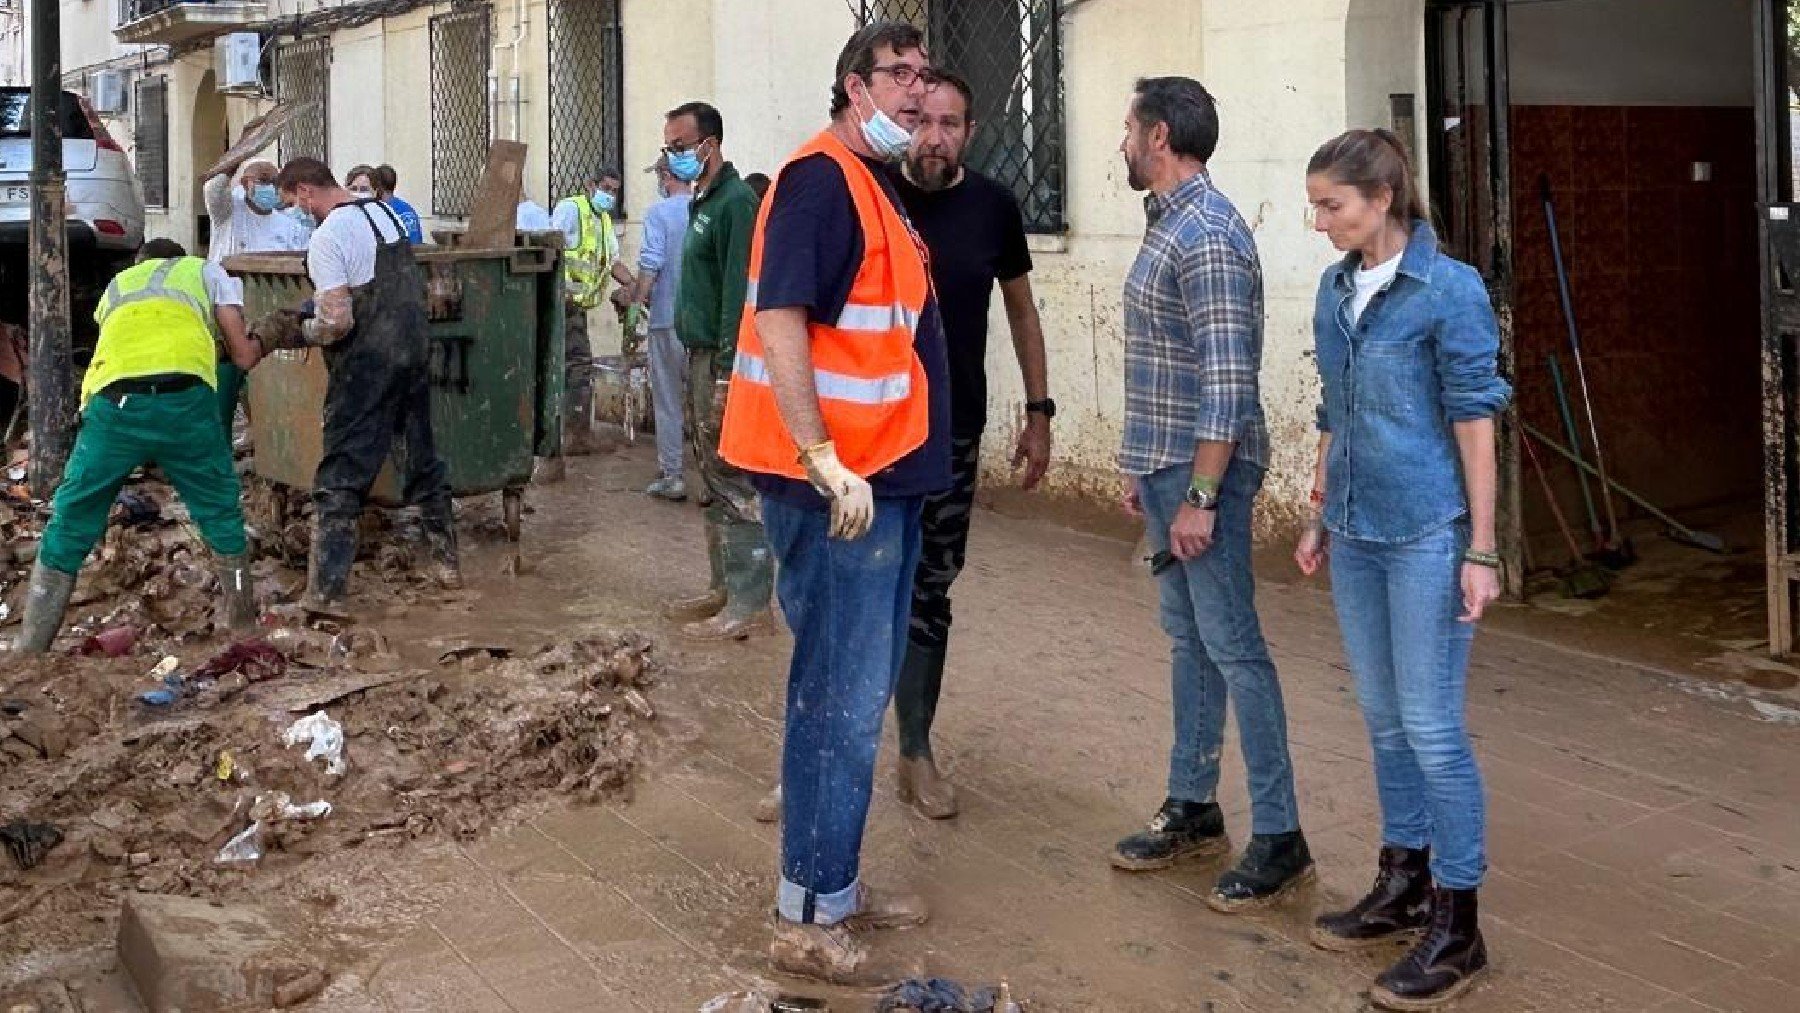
pixel 443 739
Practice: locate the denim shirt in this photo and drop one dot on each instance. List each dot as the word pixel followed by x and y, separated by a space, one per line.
pixel 1423 356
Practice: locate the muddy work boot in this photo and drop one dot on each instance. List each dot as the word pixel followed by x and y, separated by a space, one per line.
pixel 831 954
pixel 879 908
pixel 1179 830
pixel 1398 905
pixel 1271 869
pixel 237 595
pixel 1443 964
pixel 45 602
pixel 667 487
pixel 768 808
pixel 328 566
pixel 444 567
pixel 748 573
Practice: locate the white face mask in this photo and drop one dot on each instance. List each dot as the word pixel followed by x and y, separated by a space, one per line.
pixel 361 193
pixel 887 138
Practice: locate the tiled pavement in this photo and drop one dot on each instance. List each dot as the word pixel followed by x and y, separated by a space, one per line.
pixel 1645 838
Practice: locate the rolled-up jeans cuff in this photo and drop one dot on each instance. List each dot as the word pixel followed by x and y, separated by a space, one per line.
pixel 827 908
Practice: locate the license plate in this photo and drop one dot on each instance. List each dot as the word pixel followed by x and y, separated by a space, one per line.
pixel 18 194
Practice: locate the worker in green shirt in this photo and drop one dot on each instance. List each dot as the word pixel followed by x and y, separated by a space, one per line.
pixel 149 397
pixel 715 265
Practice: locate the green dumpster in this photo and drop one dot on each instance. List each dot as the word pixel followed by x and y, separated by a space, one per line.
pixel 496 370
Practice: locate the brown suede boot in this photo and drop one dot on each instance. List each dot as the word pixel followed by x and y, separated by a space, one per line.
pixel 832 954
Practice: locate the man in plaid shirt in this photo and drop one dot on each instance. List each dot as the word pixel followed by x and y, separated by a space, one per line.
pixel 1194 454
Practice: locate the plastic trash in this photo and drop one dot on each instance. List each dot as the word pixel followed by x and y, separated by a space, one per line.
pixel 326 737
pixel 113 642
pixel 275 806
pixel 159 698
pixel 165 668
pixel 938 995
pixel 245 847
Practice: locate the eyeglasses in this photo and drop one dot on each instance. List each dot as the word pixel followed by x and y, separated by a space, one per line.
pixel 904 74
pixel 680 147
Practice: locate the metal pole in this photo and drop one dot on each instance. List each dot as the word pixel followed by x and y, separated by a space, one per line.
pixel 50 387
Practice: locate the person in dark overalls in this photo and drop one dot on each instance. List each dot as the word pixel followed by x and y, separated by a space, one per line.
pixel 369 317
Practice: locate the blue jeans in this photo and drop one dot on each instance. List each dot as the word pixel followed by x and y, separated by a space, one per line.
pixel 848 603
pixel 1397 605
pixel 1209 611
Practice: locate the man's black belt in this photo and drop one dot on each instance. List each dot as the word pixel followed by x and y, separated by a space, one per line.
pixel 167 383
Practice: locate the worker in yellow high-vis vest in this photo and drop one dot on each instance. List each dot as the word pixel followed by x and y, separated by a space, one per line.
pixel 590 263
pixel 148 398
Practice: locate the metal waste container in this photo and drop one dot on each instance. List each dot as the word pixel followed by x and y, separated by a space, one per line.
pixel 496 319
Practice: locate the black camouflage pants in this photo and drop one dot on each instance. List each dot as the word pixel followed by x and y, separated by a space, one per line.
pixel 944 545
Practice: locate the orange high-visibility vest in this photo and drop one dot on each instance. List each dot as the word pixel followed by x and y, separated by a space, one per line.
pixel 871 384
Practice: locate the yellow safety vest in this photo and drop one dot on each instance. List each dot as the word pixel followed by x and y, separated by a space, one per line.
pixel 155 318
pixel 586 266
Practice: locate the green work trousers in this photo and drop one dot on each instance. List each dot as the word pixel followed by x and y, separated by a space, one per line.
pixel 231 391
pixel 177 432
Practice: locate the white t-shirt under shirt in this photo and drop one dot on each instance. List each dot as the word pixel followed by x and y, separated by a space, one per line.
pixel 1370 282
pixel 342 251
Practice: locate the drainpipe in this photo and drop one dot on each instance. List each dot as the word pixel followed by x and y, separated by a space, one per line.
pixel 521 21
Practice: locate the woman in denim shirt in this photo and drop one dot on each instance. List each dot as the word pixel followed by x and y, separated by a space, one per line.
pixel 1404 499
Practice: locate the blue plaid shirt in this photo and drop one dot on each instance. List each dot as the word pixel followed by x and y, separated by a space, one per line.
pixel 1193 333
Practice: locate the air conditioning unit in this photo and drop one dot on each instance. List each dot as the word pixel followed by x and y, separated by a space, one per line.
pixel 106 92
pixel 238 63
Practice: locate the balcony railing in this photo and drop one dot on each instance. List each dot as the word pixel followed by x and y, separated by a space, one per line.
pixel 166 22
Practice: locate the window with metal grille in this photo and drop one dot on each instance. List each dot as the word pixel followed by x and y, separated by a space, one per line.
pixel 1010 52
pixel 459 108
pixel 303 74
pixel 587 85
pixel 150 128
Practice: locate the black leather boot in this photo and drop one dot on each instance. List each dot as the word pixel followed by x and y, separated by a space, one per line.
pixel 1272 867
pixel 1178 830
pixel 1398 905
pixel 1443 964
pixel 328 565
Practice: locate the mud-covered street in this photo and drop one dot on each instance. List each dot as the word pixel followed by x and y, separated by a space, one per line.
pixel 1646 831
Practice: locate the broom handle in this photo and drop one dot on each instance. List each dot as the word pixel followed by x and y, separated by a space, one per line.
pixel 1587 401
pixel 1562 523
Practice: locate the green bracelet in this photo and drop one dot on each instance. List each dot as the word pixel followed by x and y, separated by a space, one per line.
pixel 1491 560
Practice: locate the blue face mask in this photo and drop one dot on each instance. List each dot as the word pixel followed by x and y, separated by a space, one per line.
pixel 602 201
pixel 263 195
pixel 686 165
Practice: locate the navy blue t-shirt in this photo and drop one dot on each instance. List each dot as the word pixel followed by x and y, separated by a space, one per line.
pixel 812 247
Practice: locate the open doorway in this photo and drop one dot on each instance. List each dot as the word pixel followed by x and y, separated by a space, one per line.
pixel 209 142
pixel 1633 126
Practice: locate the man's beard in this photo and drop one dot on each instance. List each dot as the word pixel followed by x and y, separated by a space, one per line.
pixel 935 173
pixel 1135 177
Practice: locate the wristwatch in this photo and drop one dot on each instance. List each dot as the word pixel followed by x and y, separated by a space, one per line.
pixel 1046 407
pixel 1202 499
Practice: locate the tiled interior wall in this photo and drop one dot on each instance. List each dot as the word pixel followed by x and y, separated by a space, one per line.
pixel 1664 275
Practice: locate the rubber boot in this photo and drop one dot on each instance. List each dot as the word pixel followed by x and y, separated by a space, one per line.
pixel 446 566
pixel 45 603
pixel 707 603
pixel 328 566
pixel 578 432
pixel 749 575
pixel 237 594
pixel 1398 905
pixel 1443 964
pixel 915 705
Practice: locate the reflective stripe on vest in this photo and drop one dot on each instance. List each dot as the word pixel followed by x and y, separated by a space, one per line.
pixel 871 387
pixel 155 318
pixel 859 316
pixel 838 386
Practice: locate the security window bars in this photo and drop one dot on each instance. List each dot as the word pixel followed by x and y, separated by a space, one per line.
pixel 303 74
pixel 151 131
pixel 1010 52
pixel 459 108
pixel 587 85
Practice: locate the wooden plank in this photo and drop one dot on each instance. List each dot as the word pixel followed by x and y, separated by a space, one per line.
pixel 492 218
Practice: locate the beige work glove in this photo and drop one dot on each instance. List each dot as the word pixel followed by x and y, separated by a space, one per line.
pixel 852 501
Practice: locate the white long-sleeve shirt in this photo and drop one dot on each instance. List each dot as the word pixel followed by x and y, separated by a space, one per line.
pixel 237 228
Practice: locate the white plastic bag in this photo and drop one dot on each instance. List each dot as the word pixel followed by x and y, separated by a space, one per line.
pixel 326 737
pixel 245 847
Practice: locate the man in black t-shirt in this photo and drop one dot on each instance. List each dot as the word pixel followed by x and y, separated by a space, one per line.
pixel 976 235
